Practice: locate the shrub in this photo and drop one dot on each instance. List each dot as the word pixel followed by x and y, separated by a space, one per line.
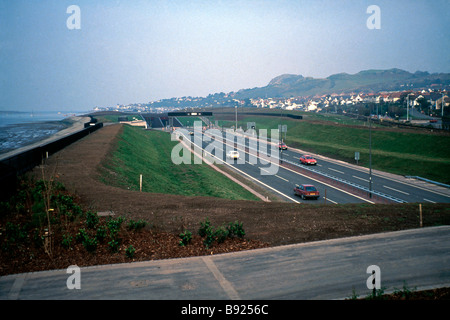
pixel 14 232
pixel 130 251
pixel 221 234
pixel 205 228
pixel 186 238
pixel 208 240
pixel 67 241
pixel 236 229
pixel 64 200
pixel 114 226
pixel 136 225
pixel 76 210
pixel 90 244
pixel 91 220
pixel 81 235
pixel 377 294
pixel 101 234
pixel 14 235
pixel 113 245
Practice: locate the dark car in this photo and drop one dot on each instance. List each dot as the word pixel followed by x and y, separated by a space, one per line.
pixel 306 191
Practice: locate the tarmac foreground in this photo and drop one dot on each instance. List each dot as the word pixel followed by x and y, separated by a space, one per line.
pixel 322 270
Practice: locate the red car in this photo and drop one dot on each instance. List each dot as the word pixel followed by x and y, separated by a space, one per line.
pixel 306 191
pixel 307 159
pixel 282 146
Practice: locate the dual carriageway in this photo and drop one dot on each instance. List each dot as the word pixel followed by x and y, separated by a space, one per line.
pixel 338 182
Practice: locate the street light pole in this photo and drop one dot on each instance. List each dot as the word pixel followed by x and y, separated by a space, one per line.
pixel 407 108
pixel 235 128
pixel 370 156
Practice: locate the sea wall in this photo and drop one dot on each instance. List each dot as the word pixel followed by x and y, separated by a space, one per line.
pixel 18 164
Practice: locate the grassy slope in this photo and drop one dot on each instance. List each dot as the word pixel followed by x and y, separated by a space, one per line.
pixel 149 153
pixel 189 121
pixel 405 153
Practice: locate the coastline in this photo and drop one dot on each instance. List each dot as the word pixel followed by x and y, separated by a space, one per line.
pixel 76 123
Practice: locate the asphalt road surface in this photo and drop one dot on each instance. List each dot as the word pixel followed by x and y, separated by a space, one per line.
pixel 322 270
pixel 341 182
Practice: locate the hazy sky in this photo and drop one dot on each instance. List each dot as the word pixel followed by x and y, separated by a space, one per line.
pixel 140 51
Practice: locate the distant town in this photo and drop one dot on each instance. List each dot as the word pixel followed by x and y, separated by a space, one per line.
pixel 426 103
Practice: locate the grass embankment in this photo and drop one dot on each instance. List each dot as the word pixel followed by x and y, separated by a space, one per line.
pixel 189 121
pixel 401 152
pixel 148 153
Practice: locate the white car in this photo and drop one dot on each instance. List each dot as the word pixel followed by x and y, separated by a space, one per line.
pixel 233 154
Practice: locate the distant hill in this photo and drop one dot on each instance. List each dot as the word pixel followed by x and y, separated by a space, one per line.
pixel 288 85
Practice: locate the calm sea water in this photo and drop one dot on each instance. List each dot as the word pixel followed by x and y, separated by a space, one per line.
pixel 18 129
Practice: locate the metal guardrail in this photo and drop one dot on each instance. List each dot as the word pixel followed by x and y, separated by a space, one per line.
pixel 429 181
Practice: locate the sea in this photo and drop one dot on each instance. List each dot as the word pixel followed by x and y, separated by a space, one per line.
pixel 19 129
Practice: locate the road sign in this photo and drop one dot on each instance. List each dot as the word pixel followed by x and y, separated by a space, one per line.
pixel 282 128
pixel 189 114
pixel 357 157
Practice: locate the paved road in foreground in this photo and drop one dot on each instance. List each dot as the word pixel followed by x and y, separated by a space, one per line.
pixel 318 270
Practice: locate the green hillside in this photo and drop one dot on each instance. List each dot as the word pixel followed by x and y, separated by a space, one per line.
pixel 365 81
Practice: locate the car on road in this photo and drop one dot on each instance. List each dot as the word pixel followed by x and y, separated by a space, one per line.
pixel 306 191
pixel 233 154
pixel 307 159
pixel 282 146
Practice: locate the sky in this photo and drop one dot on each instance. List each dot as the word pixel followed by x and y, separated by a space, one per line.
pixel 140 51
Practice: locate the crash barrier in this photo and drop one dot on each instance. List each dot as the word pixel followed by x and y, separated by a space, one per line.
pixel 272 114
pixel 398 124
pixel 20 163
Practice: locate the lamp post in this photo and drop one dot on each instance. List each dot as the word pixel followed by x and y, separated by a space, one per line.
pixel 370 157
pixel 407 108
pixel 370 151
pixel 442 105
pixel 235 128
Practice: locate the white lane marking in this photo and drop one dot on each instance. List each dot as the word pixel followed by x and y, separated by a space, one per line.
pixel 396 190
pixel 360 178
pixel 281 178
pixel 264 170
pixel 341 172
pixel 328 199
pixel 429 200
